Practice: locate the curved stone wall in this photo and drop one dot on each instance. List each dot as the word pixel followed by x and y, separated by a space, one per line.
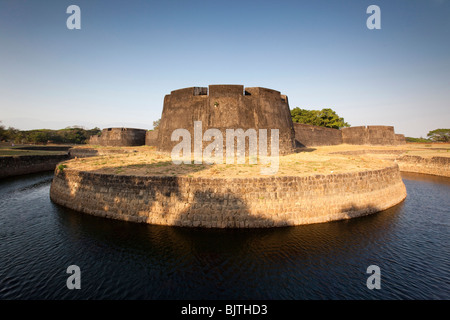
pixel 18 165
pixel 232 202
pixel 438 166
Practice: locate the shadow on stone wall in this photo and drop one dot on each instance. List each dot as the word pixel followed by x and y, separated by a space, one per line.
pixel 222 203
pixel 279 245
pixel 353 211
pixel 160 200
pixel 237 213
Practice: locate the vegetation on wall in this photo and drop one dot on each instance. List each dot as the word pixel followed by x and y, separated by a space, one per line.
pixel 323 118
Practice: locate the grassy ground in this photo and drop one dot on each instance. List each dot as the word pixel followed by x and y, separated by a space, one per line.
pixel 428 150
pixel 422 149
pixel 13 151
pixel 146 161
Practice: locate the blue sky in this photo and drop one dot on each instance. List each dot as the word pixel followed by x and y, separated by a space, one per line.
pixel 116 70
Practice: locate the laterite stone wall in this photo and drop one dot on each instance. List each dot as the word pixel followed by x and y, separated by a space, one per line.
pixel 229 203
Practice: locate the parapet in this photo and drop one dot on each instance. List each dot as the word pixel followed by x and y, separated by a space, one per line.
pixel 399 139
pixel 226 90
pixel 310 136
pixel 370 135
pixel 180 93
pixel 380 135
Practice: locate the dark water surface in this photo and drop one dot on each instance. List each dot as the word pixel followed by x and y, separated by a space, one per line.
pixel 122 260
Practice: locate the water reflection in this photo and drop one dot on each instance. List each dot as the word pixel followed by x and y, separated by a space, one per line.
pixel 124 260
pixel 235 263
pixel 278 243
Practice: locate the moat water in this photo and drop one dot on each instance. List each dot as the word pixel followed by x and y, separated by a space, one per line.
pixel 122 260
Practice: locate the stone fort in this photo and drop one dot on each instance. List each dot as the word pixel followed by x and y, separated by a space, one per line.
pixel 231 202
pixel 235 107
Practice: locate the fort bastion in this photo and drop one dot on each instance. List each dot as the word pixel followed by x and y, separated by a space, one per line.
pixel 245 201
pixel 235 107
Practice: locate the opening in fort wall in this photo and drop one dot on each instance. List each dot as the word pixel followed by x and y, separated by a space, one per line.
pixel 200 91
pixel 227 90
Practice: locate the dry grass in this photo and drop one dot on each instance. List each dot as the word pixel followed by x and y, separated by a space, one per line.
pixel 317 160
pixel 8 151
pixel 420 148
pixel 146 161
pixel 428 150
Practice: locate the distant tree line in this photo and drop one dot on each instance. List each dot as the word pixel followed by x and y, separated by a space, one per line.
pixel 69 135
pixel 437 135
pixel 419 140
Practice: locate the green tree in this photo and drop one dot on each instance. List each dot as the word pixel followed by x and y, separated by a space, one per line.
pixel 156 124
pixel 13 134
pixel 2 132
pixel 39 136
pixel 324 118
pixel 439 135
pixel 93 132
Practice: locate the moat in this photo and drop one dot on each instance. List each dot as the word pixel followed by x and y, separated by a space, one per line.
pixel 125 260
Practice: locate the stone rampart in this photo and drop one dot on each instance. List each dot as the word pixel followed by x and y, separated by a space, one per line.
pixel 380 135
pixel 84 152
pixel 19 165
pixel 309 136
pixel 119 137
pixel 151 138
pixel 229 202
pixel 354 135
pixel 439 166
pixel 399 139
pixel 44 148
pixel 370 135
pixel 94 140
